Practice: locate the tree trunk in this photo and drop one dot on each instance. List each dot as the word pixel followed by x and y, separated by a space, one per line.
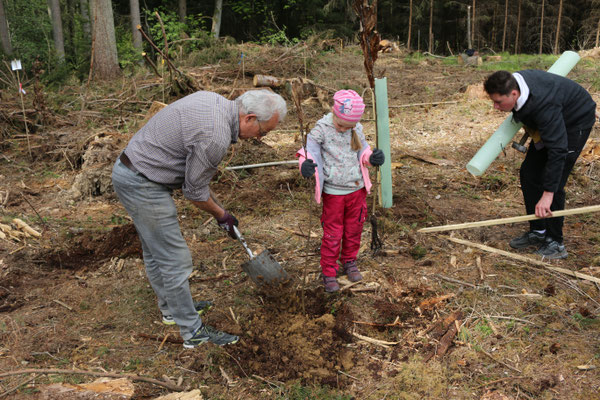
pixel 410 25
pixel 598 33
pixel 493 41
pixel 431 26
pixel 57 30
pixel 473 25
pixel 505 23
pixel 556 49
pixel 469 42
pixel 105 63
pixel 518 28
pixel 182 10
pixel 542 27
pixel 134 10
pixel 5 36
pixel 216 22
pixel 84 7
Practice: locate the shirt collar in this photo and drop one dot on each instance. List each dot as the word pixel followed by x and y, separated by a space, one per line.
pixel 524 89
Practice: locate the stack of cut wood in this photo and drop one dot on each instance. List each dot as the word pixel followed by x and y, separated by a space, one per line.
pixel 17 231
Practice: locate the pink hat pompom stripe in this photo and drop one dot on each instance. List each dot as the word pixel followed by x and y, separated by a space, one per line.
pixel 348 105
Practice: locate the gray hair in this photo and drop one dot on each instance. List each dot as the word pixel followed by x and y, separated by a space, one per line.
pixel 263 103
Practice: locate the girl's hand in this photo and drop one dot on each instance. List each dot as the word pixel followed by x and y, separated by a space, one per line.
pixel 307 169
pixel 377 158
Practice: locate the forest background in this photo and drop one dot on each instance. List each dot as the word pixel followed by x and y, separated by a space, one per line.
pixel 60 34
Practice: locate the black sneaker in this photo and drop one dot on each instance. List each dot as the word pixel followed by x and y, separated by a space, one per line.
pixel 209 334
pixel 528 239
pixel 200 306
pixel 552 250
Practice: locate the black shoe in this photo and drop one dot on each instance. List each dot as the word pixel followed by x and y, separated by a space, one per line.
pixel 528 239
pixel 200 306
pixel 552 250
pixel 209 334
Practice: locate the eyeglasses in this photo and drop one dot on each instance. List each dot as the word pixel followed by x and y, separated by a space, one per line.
pixel 261 132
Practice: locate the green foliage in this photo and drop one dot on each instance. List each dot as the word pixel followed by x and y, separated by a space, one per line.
pixel 418 252
pixel 585 322
pixel 299 392
pixel 127 54
pixel 174 30
pixel 31 30
pixel 515 62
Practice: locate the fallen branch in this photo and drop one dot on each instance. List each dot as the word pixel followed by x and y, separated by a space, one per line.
pixel 377 342
pixel 499 361
pixel 524 259
pixel 160 338
pixel 138 378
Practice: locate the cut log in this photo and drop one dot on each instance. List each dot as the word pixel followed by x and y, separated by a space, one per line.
pixel 193 395
pixel 101 389
pixel 266 80
pixel 26 228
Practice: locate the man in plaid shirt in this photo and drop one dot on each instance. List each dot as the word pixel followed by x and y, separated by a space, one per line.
pixel 180 148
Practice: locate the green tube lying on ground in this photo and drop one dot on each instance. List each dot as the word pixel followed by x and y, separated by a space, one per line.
pixel 508 129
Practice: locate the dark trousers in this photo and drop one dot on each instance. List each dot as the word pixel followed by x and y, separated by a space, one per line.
pixel 532 172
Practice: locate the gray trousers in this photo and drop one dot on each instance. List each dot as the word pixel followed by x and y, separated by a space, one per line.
pixel 166 255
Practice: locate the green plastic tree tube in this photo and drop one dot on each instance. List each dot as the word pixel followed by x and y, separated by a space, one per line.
pixel 508 129
pixel 383 141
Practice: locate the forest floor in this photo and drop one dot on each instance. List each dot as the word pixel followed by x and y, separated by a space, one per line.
pixel 77 297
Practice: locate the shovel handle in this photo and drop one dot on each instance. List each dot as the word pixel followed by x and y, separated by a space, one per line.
pixel 239 236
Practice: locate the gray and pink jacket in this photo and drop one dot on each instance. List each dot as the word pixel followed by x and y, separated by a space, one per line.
pixel 339 168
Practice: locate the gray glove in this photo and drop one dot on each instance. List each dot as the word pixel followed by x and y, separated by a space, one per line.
pixel 307 169
pixel 377 158
pixel 227 223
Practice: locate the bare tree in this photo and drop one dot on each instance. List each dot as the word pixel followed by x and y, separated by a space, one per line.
pixel 410 10
pixel 57 30
pixel 469 41
pixel 542 26
pixel 182 10
pixel 5 36
pixel 556 49
pixel 216 22
pixel 598 32
pixel 431 26
pixel 473 25
pixel 518 28
pixel 105 64
pixel 134 10
pixel 505 24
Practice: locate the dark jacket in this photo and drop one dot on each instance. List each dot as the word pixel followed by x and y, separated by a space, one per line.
pixel 559 109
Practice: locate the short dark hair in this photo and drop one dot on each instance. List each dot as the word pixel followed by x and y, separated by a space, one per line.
pixel 501 82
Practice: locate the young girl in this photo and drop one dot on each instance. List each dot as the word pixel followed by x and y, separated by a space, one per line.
pixel 337 152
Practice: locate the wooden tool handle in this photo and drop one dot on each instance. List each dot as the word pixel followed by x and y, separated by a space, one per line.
pixel 510 220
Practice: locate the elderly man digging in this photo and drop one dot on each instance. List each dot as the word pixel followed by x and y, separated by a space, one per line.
pixel 180 148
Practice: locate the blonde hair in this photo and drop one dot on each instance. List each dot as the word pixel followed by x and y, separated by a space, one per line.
pixel 355 143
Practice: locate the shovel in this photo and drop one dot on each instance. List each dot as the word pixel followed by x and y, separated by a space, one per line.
pixel 263 269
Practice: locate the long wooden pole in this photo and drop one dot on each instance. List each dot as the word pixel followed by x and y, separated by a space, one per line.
pixel 524 259
pixel 510 220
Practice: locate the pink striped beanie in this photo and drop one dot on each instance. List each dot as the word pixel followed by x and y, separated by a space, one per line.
pixel 348 105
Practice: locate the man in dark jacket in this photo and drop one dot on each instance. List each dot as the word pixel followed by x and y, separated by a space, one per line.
pixel 181 147
pixel 560 114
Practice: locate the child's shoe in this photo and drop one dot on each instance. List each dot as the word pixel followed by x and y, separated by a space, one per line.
pixel 351 270
pixel 331 284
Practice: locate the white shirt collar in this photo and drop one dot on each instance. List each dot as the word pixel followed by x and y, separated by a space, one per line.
pixel 524 89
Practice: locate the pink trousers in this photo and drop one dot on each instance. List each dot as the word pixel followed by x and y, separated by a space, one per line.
pixel 342 221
